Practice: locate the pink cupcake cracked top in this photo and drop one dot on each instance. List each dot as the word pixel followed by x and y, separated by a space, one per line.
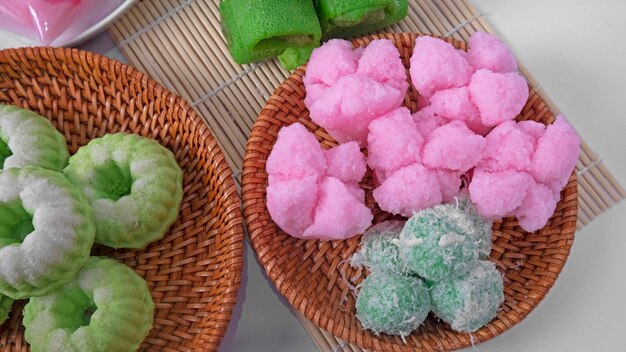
pixel 465 129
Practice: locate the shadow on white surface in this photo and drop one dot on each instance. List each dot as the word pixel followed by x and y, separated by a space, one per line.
pixel 263 320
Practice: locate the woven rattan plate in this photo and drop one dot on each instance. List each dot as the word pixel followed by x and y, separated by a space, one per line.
pixel 194 272
pixel 311 274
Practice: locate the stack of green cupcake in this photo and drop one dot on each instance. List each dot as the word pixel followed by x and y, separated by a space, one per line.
pixel 120 190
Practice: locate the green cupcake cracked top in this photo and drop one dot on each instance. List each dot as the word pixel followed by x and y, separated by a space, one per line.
pixel 107 307
pixel 46 231
pixel 134 185
pixel 29 139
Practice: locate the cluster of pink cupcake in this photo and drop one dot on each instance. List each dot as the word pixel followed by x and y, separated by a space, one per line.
pixel 465 126
pixel 315 193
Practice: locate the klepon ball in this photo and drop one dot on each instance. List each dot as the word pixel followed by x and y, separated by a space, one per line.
pixel 6 303
pixel 470 301
pixel 392 304
pixel 435 246
pixel 378 250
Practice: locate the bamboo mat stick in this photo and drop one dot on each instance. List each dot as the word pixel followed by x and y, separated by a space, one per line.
pixel 179 43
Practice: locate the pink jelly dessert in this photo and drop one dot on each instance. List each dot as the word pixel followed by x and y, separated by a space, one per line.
pixel 487 51
pixel 436 65
pixel 449 184
pixel 456 104
pixel 396 152
pixel 347 89
pixel 498 96
pixel 314 193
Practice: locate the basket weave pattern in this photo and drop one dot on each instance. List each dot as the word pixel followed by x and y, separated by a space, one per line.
pixel 194 272
pixel 314 276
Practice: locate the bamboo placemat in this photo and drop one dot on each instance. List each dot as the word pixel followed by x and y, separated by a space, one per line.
pixel 179 43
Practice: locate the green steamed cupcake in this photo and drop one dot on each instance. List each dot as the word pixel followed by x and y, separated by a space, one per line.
pixel 107 307
pixel 29 139
pixel 134 185
pixel 6 303
pixel 46 231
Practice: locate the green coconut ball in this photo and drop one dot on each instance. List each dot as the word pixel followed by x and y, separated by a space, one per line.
pixel 471 301
pixel 392 304
pixel 434 246
pixel 378 252
pixel 474 223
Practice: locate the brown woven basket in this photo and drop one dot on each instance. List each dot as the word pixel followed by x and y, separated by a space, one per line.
pixel 309 273
pixel 194 272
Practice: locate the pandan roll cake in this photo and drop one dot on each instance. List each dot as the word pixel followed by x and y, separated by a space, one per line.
pixel 392 304
pixel 378 252
pixel 46 231
pixel 107 307
pixel 29 139
pixel 434 246
pixel 346 18
pixel 134 185
pixel 260 29
pixel 6 303
pixel 471 301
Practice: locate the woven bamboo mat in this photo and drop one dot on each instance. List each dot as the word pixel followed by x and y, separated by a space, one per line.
pixel 179 43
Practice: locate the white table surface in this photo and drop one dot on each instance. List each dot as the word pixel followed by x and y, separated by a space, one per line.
pixel 575 49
